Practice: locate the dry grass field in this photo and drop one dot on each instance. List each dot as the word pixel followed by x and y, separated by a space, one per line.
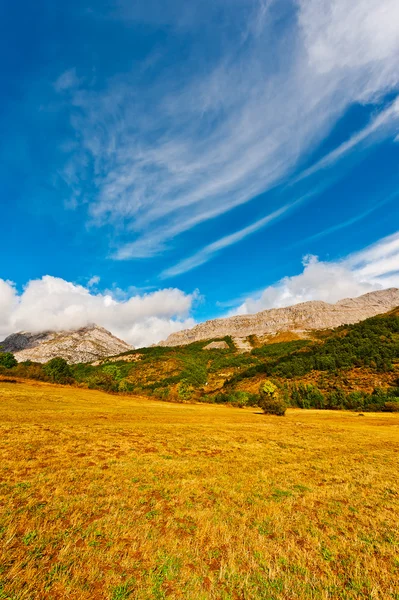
pixel 110 497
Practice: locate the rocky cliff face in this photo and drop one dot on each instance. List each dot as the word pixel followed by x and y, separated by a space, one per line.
pixel 300 317
pixel 82 345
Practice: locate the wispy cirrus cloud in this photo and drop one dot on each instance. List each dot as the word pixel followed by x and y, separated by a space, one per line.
pixel 382 123
pixel 208 251
pixel 344 224
pixel 193 142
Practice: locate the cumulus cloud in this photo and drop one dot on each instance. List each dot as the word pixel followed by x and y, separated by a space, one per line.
pixel 8 303
pixel 143 319
pixel 195 142
pixel 55 304
pixel 376 267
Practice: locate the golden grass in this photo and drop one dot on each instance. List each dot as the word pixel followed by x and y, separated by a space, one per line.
pixel 116 497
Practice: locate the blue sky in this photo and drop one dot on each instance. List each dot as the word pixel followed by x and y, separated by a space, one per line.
pixel 165 162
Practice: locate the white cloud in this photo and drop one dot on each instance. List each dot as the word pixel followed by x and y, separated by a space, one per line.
pixel 373 268
pixel 143 319
pixel 383 124
pixel 67 81
pixel 351 36
pixel 171 153
pixel 93 281
pixel 8 303
pixel 358 217
pixel 55 304
pixel 206 253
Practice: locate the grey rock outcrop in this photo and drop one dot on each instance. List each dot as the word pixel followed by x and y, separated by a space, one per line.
pixel 306 316
pixel 216 346
pixel 81 345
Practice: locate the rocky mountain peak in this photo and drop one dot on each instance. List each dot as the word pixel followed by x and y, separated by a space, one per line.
pixel 86 344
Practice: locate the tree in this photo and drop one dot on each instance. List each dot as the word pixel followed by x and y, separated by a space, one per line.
pixel 7 360
pixel 58 370
pixel 270 400
pixel 113 371
pixel 185 390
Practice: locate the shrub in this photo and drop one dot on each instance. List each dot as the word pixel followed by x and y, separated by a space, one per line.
pixel 162 393
pixel 58 370
pixel 103 381
pixel 278 349
pixel 268 388
pixel 336 399
pixel 125 386
pixel 391 406
pixel 238 398
pixel 185 390
pixel 307 396
pixel 31 371
pixel 220 398
pixel 355 400
pixel 8 360
pixel 273 406
pixel 270 400
pixel 113 371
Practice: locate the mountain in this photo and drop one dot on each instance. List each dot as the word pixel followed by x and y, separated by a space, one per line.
pixel 299 318
pixel 80 345
pixel 354 366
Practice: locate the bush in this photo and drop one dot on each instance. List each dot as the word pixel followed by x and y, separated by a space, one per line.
pixel 273 406
pixel 391 406
pixel 162 393
pixel 125 386
pixel 270 400
pixel 240 399
pixel 58 370
pixel 336 399
pixel 185 390
pixel 31 371
pixel 307 396
pixel 113 371
pixel 103 381
pixel 268 388
pixel 8 360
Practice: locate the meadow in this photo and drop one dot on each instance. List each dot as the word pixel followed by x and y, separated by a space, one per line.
pixel 115 497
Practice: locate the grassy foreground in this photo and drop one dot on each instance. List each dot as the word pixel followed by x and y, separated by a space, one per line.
pixel 122 497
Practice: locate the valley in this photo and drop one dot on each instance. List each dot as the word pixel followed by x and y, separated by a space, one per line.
pixel 115 497
pixel 354 367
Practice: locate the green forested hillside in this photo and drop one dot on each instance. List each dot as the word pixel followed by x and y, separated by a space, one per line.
pixel 354 367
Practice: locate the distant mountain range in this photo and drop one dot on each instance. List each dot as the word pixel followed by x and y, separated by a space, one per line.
pixel 82 345
pixel 93 343
pixel 299 318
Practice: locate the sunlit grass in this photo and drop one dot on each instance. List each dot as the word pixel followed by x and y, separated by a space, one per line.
pixel 115 497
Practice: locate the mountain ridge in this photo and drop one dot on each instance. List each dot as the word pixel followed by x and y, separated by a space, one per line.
pixel 304 316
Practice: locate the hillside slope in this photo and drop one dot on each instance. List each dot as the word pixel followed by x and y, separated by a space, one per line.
pixel 76 346
pixel 300 317
pixel 354 366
